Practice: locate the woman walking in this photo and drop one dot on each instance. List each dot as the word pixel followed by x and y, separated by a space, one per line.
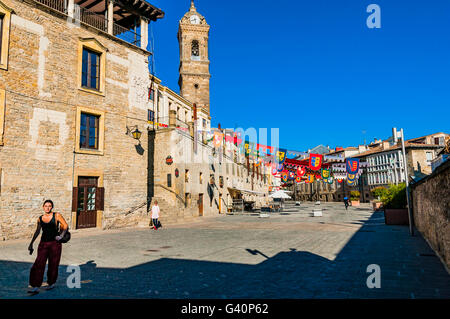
pixel 155 215
pixel 49 248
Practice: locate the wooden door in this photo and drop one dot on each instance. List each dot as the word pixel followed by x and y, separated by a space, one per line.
pixel 200 204
pixel 87 197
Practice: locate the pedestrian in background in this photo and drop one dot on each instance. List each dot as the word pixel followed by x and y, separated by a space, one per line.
pixel 155 215
pixel 49 248
pixel 346 202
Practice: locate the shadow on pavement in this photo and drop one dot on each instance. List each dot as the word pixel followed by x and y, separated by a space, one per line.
pixel 408 270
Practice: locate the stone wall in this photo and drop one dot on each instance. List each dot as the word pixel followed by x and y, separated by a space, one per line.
pixel 431 209
pixel 179 145
pixel 37 159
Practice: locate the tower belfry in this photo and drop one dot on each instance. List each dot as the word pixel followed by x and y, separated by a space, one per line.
pixel 193 37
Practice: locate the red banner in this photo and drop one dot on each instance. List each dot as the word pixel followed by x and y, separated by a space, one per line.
pixel 315 162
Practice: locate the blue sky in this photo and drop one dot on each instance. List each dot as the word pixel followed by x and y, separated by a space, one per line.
pixel 315 71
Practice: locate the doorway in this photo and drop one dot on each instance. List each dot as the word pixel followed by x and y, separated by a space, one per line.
pixel 200 204
pixel 86 202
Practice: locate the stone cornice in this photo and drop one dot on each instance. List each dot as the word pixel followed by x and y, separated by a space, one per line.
pixel 195 62
pixel 155 79
pixel 196 74
pixel 194 28
pixel 179 97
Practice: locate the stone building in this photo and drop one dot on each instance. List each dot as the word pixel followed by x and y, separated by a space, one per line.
pixel 189 183
pixel 163 99
pixel 73 88
pixel 384 166
pixel 320 191
pixel 192 177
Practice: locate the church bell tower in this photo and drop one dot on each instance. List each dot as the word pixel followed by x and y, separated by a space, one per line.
pixel 193 36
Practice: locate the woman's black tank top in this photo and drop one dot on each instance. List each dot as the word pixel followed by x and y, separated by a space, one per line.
pixel 49 230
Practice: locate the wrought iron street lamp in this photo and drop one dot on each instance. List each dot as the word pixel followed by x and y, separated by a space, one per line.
pixel 136 133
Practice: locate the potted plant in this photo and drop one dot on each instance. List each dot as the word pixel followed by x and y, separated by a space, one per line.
pixel 378 192
pixel 394 203
pixel 354 198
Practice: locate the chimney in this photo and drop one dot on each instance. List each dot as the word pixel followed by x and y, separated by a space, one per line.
pixel 394 135
pixel 385 145
pixel 362 148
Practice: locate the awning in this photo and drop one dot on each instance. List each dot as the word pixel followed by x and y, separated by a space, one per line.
pixel 246 191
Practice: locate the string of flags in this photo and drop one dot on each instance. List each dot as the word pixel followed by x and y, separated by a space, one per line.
pixel 328 168
pixel 318 170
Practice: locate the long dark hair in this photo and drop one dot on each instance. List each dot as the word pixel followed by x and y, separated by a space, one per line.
pixel 48 201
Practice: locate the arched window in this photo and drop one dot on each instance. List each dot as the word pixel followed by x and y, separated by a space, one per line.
pixel 195 50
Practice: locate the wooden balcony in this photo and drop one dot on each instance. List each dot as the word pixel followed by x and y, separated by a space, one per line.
pixel 124 19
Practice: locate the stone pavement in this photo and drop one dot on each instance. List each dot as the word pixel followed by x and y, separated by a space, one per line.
pixel 288 255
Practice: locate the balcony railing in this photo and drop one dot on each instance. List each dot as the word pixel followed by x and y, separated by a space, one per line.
pixel 58 5
pixel 94 19
pixel 127 35
pixel 91 18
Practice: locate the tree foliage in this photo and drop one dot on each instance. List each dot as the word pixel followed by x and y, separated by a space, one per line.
pixel 355 195
pixel 395 196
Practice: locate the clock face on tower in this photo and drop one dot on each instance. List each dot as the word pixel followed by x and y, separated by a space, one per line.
pixel 195 19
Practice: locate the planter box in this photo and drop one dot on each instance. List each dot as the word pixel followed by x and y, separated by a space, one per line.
pixel 376 205
pixel 355 202
pixel 396 216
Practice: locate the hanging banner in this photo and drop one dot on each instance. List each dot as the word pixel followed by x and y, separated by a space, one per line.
pixel 340 180
pixel 331 180
pixel 301 170
pixel 350 183
pixel 315 162
pixel 298 179
pixel 291 175
pixel 325 173
pixel 352 165
pixel 280 167
pixel 157 124
pixel 281 156
pixel 309 178
pixel 274 170
pixel 247 148
pixel 351 177
pixel 218 137
pixel 284 176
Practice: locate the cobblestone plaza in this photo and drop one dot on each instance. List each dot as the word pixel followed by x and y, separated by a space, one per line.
pixel 287 255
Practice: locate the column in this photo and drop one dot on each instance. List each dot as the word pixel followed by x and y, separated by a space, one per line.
pixel 110 16
pixel 70 8
pixel 144 33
